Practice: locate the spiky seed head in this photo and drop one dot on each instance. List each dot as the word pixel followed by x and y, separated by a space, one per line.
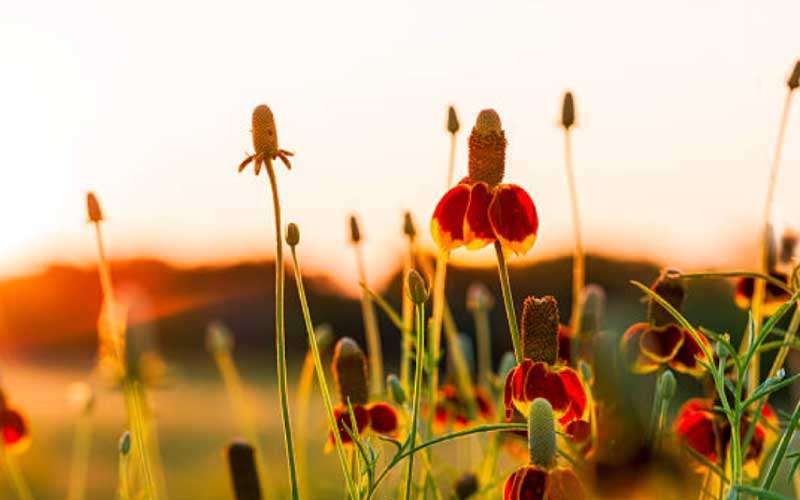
pixel 568 111
pixel 124 445
pixel 409 228
pixel 292 234
pixel 479 298
pixel 350 371
pixel 667 385
pixel 452 120
pixel 93 210
pixel 794 79
pixel 396 389
pixel 487 149
pixel 671 288
pixel 242 468
pixel 507 363
pixel 466 486
pixel 416 288
pixel 265 134
pixel 541 434
pixel 539 332
pixel 355 231
pixel 219 339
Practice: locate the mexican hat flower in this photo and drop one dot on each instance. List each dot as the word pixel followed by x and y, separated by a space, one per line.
pixel 659 341
pixel 453 411
pixel 541 375
pixel 542 478
pixel 350 371
pixel 265 141
pixel 480 209
pixel 780 263
pixel 706 431
pixel 14 427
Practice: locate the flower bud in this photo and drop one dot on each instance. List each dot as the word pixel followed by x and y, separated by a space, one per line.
pixel 671 288
pixel 408 226
pixel 539 330
pixel 396 389
pixel 265 134
pixel 452 120
pixel 466 486
pixel 568 111
pixel 125 443
pixel 416 288
pixel 541 434
pixel 242 468
pixel 95 213
pixel 350 372
pixel 667 385
pixel 479 298
pixel 292 234
pixel 324 334
pixel 219 339
pixel 794 79
pixel 487 149
pixel 355 232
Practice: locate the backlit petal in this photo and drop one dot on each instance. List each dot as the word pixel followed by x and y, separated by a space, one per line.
pixel 694 427
pixel 383 419
pixel 686 359
pixel 447 223
pixel 14 430
pixel 563 484
pixel 478 230
pixel 526 483
pixel 629 345
pixel 514 218
pixel 661 343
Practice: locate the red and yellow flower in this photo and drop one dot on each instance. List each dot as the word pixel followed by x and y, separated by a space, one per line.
pixel 532 482
pixel 453 412
pixel 774 296
pixel 540 375
pixel 14 428
pixel 350 371
pixel 480 210
pixel 660 341
pixel 707 432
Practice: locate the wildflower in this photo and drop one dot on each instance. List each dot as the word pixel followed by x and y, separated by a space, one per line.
pixel 781 261
pixel 660 340
pixel 452 411
pixel 480 210
pixel 541 375
pixel 14 427
pixel 708 432
pixel 542 478
pixel 350 371
pixel 265 141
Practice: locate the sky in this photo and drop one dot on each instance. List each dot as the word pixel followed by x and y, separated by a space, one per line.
pixel 148 104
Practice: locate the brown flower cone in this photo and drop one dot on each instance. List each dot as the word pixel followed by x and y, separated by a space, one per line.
pixel 539 329
pixel 350 370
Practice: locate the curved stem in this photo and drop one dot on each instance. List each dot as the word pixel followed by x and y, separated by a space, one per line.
pixel 739 274
pixel 420 326
pixel 280 334
pixel 508 301
pixel 579 258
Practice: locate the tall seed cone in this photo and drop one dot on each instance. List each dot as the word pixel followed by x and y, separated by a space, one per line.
pixel 487 149
pixel 355 231
pixel 265 135
pixel 350 371
pixel 242 468
pixel 671 288
pixel 93 210
pixel 452 120
pixel 794 79
pixel 539 330
pixel 408 226
pixel 568 111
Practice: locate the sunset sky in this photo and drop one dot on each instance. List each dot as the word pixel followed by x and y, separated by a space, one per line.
pixel 148 103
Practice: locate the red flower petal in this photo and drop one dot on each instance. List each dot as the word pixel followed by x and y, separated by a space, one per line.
pixel 447 223
pixel 694 426
pixel 478 230
pixel 629 345
pixel 774 296
pixel 686 359
pixel 513 217
pixel 508 392
pixel 484 403
pixel 343 421
pixel 563 484
pixel 383 419
pixel 529 381
pixel 15 429
pixel 576 394
pixel 661 343
pixel 526 483
pixel 579 431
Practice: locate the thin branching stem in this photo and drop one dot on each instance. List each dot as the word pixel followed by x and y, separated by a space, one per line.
pixel 419 312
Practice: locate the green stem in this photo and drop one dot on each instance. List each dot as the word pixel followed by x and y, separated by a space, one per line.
pixel 434 342
pixel 484 341
pixel 323 384
pixel 508 301
pixel 374 349
pixel 407 310
pixel 781 450
pixel 420 327
pixel 788 339
pixel 137 426
pixel 280 334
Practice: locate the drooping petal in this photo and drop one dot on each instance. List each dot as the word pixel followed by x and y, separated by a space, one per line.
pixel 447 223
pixel 514 218
pixel 536 380
pixel 14 430
pixel 629 345
pixel 526 483
pixel 478 230
pixel 563 484
pixel 484 403
pixel 576 394
pixel 661 343
pixel 774 296
pixel 694 426
pixel 686 359
pixel 343 422
pixel 383 419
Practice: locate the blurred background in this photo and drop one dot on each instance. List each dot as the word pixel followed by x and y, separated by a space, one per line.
pixel 148 105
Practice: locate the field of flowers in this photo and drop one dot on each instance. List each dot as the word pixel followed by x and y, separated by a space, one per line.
pixel 663 407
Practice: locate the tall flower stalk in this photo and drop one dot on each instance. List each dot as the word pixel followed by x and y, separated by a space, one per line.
pixel 374 349
pixel 418 293
pixel 265 142
pixel 764 257
pixel 578 258
pixel 83 397
pixel 452 128
pixel 407 308
pixel 112 333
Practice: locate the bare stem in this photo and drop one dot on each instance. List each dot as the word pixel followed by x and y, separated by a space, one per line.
pixel 15 474
pixel 80 456
pixel 508 301
pixel 408 322
pixel 579 258
pixel 451 161
pixel 374 350
pixel 420 327
pixel 435 339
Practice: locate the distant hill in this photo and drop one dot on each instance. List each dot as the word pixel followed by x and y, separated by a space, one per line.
pixel 55 311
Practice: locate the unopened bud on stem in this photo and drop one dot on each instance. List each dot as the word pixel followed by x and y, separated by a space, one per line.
pixel 350 372
pixel 292 234
pixel 355 232
pixel 568 111
pixel 94 212
pixel 417 289
pixel 452 120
